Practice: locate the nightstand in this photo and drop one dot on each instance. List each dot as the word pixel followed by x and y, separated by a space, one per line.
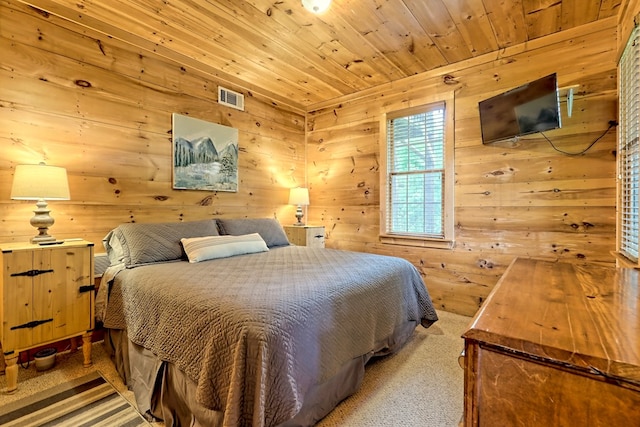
pixel 46 295
pixel 305 235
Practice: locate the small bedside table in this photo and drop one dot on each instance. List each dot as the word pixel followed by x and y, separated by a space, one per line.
pixel 46 295
pixel 305 235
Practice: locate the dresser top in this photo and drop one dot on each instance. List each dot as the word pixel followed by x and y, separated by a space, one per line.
pixel 585 317
pixel 21 246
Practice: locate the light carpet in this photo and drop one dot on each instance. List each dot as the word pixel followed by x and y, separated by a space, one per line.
pixel 421 385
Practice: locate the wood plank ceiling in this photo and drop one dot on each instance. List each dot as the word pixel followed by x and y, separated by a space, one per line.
pixel 278 48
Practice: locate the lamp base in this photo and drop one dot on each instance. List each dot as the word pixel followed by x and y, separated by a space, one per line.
pixel 299 215
pixel 42 221
pixel 42 238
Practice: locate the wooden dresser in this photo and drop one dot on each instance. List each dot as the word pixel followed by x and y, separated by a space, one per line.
pixel 555 344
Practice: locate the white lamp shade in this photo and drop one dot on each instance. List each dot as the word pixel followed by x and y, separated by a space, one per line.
pixel 316 6
pixel 35 182
pixel 299 196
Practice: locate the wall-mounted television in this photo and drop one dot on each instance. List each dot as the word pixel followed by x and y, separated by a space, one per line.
pixel 533 107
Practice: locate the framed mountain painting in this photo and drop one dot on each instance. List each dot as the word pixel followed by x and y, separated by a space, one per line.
pixel 205 155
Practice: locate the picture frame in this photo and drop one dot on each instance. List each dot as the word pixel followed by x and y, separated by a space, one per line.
pixel 204 155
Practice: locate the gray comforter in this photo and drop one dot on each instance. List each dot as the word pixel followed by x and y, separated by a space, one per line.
pixel 257 333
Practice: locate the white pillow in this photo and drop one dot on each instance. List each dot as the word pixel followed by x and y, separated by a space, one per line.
pixel 210 247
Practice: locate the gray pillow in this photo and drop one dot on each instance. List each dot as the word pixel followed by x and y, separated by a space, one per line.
pixel 135 244
pixel 269 229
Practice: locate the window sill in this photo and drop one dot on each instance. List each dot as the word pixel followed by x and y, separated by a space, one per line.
pixel 623 261
pixel 416 241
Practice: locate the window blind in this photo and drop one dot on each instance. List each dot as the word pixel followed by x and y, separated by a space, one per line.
pixel 629 132
pixel 415 159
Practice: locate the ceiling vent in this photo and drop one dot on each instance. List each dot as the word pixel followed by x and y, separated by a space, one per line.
pixel 230 98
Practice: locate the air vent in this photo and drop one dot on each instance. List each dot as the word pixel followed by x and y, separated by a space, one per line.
pixel 230 98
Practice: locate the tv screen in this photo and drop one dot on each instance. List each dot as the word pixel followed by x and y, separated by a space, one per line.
pixel 530 108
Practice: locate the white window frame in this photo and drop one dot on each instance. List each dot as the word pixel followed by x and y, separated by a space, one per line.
pixel 628 153
pixel 446 241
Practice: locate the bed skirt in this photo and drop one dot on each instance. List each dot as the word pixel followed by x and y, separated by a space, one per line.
pixel 163 392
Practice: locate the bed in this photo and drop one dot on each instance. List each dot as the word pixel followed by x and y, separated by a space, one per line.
pixel 224 323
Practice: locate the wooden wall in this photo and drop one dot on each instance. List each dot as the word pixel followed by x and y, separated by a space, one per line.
pixel 511 199
pixel 102 109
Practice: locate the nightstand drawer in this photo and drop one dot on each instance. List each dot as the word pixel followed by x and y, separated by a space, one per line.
pixel 306 235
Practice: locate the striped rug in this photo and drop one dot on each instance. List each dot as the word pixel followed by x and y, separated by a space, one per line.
pixel 86 401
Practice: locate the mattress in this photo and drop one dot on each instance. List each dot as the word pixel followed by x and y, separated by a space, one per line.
pixel 270 338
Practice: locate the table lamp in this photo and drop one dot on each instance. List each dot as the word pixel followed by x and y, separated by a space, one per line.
pixel 40 182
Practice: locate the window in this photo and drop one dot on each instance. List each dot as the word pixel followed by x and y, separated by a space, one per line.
pixel 417 187
pixel 628 153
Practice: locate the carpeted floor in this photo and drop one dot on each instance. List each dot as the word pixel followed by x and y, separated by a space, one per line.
pixel 422 385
